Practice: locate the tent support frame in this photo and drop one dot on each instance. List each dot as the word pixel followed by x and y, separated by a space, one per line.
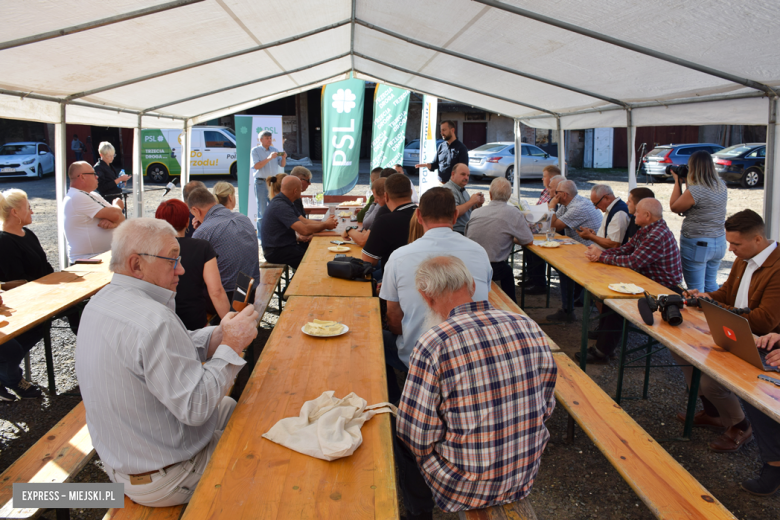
pixel 60 184
pixel 771 186
pixel 561 147
pixel 630 138
pixel 518 159
pixel 138 174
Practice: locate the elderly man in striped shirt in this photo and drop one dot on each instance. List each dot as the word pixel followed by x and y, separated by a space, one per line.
pixel 155 392
pixel 470 427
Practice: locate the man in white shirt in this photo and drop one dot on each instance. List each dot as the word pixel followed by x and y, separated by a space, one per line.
pixel 615 222
pixel 265 162
pixel 89 218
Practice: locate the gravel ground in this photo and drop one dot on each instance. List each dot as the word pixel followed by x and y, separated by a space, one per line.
pixel 575 481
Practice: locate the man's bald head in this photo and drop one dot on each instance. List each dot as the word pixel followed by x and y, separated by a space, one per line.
pixel 189 187
pixel 77 168
pixel 291 187
pixel 82 176
pixel 648 211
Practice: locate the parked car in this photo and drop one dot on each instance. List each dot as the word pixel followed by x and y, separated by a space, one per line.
pixel 498 160
pixel 412 155
pixel 743 163
pixel 656 161
pixel 26 159
pixel 213 152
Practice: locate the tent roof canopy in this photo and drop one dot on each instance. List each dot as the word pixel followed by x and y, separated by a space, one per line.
pixel 581 63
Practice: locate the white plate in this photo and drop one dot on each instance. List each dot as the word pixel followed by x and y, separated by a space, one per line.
pixel 630 289
pixel 339 249
pixel 550 244
pixel 344 331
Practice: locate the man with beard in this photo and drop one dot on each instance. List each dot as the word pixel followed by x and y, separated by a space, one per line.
pixel 470 428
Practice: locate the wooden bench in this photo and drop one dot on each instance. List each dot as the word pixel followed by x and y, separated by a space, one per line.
pixel 499 299
pixel 56 458
pixel 133 511
pixel 665 487
pixel 521 510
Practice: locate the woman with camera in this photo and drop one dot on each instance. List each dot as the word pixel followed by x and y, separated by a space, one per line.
pixel 703 204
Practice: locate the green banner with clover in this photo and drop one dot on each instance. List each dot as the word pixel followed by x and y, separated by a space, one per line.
pixel 388 134
pixel 342 125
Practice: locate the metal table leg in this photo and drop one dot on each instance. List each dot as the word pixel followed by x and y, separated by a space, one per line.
pixel 585 324
pixel 49 357
pixel 622 362
pixel 523 274
pixel 693 395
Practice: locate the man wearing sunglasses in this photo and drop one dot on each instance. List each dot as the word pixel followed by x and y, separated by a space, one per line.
pixel 154 392
pixel 89 219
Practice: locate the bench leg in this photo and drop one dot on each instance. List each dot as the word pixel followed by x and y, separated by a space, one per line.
pixel 622 362
pixel 49 357
pixel 693 395
pixel 585 323
pixel 549 281
pixel 647 369
pixel 27 367
pixel 63 514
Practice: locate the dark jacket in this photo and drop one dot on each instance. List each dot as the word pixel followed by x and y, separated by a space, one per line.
pixel 107 175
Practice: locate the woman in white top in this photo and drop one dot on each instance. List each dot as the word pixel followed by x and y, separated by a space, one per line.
pixel 703 237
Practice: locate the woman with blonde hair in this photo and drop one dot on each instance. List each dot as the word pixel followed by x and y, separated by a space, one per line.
pixel 225 194
pixel 275 184
pixel 415 228
pixel 703 235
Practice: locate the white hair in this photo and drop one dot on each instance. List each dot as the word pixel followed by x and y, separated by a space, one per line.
pixel 601 190
pixel 138 235
pixel 568 187
pixel 500 189
pixel 106 148
pixel 557 179
pixel 440 275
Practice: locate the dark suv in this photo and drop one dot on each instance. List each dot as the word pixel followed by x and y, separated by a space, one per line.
pixel 743 163
pixel 656 161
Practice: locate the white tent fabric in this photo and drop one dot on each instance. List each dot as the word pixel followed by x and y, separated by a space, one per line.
pixel 557 65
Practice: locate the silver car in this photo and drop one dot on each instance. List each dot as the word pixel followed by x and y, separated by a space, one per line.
pixel 412 155
pixel 498 160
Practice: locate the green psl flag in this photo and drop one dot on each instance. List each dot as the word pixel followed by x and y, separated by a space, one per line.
pixel 388 136
pixel 342 124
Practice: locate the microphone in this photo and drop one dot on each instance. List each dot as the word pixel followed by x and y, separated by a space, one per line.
pixel 645 311
pixel 168 187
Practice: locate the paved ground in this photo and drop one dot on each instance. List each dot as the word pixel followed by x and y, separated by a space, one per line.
pixel 574 482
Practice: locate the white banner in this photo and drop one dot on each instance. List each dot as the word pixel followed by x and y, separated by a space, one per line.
pixel 261 124
pixel 428 133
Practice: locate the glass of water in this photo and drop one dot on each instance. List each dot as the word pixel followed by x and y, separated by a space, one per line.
pixel 550 233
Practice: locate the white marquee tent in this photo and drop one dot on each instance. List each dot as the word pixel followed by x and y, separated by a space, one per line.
pixel 561 64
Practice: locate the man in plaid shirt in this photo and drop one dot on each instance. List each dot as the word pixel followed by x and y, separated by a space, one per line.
pixel 651 252
pixel 480 386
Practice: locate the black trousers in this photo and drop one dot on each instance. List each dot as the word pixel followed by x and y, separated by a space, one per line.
pixel 766 431
pixel 289 255
pixel 505 277
pixel 535 269
pixel 418 497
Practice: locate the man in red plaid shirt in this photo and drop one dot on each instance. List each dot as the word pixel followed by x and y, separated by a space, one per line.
pixel 651 252
pixel 470 427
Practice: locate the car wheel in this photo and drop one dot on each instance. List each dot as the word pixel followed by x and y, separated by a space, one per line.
pixel 39 172
pixel 751 178
pixel 234 171
pixel 510 174
pixel 157 173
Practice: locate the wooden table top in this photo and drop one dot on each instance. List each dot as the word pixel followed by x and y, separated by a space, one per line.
pixel 692 341
pixel 251 477
pixel 33 303
pixel 594 276
pixel 311 278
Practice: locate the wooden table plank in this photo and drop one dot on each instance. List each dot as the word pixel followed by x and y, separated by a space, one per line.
pixel 500 300
pixel 594 276
pixel 692 341
pixel 311 278
pixel 33 303
pixel 251 477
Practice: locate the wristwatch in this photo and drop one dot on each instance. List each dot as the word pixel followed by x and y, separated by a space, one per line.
pixel 349 228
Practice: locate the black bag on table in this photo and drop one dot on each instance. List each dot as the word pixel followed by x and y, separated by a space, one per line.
pixel 350 268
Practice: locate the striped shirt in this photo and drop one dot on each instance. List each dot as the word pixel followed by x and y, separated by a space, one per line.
pixel 150 394
pixel 579 213
pixel 707 216
pixel 480 387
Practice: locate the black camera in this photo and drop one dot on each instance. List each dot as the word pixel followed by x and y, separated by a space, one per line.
pixel 681 170
pixel 670 306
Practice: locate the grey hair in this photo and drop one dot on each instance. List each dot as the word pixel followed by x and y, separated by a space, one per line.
pixel 568 187
pixel 500 189
pixel 266 134
pixel 138 235
pixel 557 178
pixel 440 275
pixel 601 190
pixel 301 172
pixel 106 147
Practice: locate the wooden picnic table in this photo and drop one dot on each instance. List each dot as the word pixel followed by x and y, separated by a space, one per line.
pixel 311 278
pixel 594 277
pixel 692 341
pixel 251 477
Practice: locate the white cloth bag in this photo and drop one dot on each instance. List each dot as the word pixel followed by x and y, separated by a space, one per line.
pixel 327 428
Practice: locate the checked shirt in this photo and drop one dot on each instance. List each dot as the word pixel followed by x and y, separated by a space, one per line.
pixel 651 252
pixel 480 387
pixel 545 197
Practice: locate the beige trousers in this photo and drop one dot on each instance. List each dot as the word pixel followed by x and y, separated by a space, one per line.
pixel 175 485
pixel 721 397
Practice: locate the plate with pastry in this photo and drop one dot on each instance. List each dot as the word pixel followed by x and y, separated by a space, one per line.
pixel 324 329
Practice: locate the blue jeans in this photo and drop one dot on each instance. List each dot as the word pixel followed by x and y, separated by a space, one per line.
pixel 700 261
pixel 261 196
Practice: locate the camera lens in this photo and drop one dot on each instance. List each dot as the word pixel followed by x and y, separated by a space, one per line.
pixel 673 315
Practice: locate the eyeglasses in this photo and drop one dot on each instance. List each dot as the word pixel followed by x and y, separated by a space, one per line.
pixel 88 173
pixel 174 260
pixel 596 204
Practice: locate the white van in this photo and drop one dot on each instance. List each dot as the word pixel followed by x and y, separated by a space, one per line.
pixel 213 152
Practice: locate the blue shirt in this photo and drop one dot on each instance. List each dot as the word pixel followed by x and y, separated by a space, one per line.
pixel 259 153
pixel 398 279
pixel 234 238
pixel 275 230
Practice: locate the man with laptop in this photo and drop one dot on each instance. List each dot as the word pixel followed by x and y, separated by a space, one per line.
pixel 754 283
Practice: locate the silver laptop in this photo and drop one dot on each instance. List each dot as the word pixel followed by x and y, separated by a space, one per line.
pixel 732 333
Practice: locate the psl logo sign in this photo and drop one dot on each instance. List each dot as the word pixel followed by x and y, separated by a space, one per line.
pixel 344 101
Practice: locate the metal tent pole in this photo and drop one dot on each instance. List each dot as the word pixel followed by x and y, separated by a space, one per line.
pixel 772 164
pixel 138 174
pixel 518 161
pixel 630 138
pixel 561 147
pixel 186 153
pixel 60 184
